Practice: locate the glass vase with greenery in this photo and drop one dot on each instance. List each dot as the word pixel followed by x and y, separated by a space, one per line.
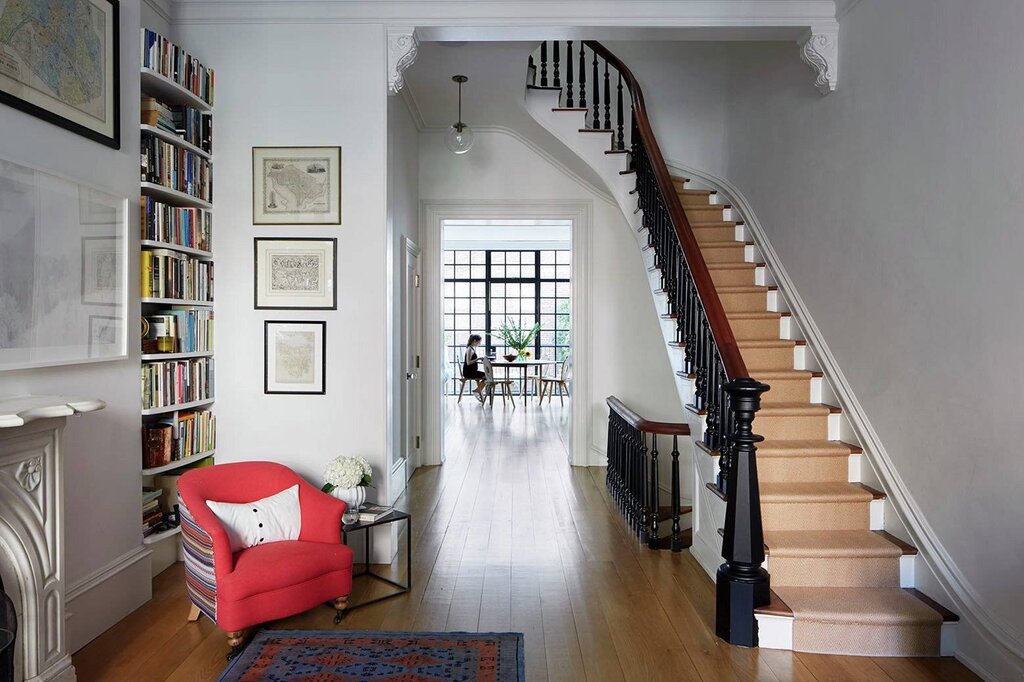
pixel 515 337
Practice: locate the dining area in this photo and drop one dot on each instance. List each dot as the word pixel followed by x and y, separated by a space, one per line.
pixel 511 375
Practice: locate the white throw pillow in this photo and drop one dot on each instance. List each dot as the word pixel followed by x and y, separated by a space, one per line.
pixel 271 519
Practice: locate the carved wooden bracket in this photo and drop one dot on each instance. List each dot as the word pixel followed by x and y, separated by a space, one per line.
pixel 819 49
pixel 402 49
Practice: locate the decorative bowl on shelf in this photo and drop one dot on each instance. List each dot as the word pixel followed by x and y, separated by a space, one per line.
pixel 511 357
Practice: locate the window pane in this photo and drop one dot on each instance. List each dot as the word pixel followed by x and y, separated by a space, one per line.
pixel 547 272
pixel 564 272
pixel 498 271
pixel 529 271
pixel 449 289
pixel 497 310
pixel 449 257
pixel 497 257
pixel 478 323
pixel 547 305
pixel 512 271
pixel 563 289
pixel 462 305
pixel 512 257
pixel 564 257
pixel 449 305
pixel 478 271
pixel 512 305
pixel 498 291
pixel 527 305
pixel 527 290
pixel 449 271
pixel 547 290
pixel 547 321
pixel 461 272
pixel 477 289
pixel 461 289
pixel 547 256
pixel 478 257
pixel 461 257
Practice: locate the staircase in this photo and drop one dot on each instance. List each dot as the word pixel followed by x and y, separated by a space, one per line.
pixel 839 583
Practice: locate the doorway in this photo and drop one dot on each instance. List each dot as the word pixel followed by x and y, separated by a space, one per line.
pixel 407 454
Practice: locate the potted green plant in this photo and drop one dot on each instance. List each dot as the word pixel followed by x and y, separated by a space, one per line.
pixel 515 337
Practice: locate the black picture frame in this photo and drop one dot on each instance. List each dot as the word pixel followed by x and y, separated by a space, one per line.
pixel 266 356
pixel 256 273
pixel 113 141
pixel 259 220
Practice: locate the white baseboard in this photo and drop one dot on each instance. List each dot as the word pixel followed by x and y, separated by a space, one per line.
pixel 598 457
pixel 107 595
pixel 986 643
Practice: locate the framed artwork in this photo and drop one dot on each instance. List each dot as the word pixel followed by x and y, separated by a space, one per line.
pixel 291 274
pixel 296 185
pixel 76 86
pixel 58 271
pixel 101 270
pixel 294 357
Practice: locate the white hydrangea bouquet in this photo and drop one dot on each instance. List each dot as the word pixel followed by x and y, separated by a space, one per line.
pixel 347 472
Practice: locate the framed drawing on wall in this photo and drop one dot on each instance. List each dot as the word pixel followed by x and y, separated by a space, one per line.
pixel 296 185
pixel 75 86
pixel 294 357
pixel 291 274
pixel 101 270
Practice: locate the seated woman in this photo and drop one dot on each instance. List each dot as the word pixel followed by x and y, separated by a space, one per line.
pixel 470 369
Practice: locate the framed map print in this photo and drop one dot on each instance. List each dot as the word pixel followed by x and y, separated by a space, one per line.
pixel 59 62
pixel 294 356
pixel 296 185
pixel 295 273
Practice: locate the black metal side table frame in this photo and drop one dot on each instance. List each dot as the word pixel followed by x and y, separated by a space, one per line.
pixel 394 516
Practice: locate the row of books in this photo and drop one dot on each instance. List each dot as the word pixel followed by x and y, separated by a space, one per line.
pixel 191 125
pixel 170 274
pixel 191 227
pixel 152 514
pixel 173 382
pixel 193 432
pixel 166 58
pixel 176 168
pixel 191 330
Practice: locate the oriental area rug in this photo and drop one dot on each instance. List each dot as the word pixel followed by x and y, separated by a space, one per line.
pixel 365 656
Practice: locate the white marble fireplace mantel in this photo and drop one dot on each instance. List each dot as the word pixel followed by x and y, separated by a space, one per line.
pixel 32 557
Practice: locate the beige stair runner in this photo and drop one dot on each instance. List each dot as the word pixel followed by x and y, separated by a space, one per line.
pixel 840 579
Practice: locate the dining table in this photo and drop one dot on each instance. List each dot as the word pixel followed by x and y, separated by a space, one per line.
pixel 523 364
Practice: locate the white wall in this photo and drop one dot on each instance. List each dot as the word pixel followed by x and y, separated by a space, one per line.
pixel 895 204
pixel 102 449
pixel 300 84
pixel 403 221
pixel 628 356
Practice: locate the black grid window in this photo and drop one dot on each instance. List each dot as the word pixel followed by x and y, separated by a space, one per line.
pixel 484 288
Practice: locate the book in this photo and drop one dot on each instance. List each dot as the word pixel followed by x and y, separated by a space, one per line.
pixel 157 445
pixel 372 512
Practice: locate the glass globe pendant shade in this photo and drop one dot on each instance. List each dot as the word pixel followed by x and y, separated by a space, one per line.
pixel 459 138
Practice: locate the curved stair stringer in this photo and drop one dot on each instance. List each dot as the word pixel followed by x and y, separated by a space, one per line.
pixel 716 221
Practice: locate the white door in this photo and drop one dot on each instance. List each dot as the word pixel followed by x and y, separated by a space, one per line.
pixel 411 362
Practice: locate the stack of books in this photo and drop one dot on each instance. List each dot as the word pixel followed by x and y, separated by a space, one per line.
pixel 172 382
pixel 369 513
pixel 170 274
pixel 192 330
pixel 197 432
pixel 174 167
pixel 169 60
pixel 156 113
pixel 152 515
pixel 191 227
pixel 194 127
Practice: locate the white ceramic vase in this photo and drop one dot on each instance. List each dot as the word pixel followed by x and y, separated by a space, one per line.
pixel 354 497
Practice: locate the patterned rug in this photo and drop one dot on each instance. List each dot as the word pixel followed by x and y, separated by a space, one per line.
pixel 363 656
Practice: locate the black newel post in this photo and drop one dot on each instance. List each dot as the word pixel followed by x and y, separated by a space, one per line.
pixel 741 584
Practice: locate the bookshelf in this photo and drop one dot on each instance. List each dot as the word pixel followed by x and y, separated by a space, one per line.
pixel 176 285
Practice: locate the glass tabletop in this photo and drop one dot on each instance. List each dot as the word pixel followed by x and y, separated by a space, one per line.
pixel 394 515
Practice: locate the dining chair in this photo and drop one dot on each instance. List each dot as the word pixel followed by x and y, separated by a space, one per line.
pixel 561 381
pixel 462 379
pixel 490 383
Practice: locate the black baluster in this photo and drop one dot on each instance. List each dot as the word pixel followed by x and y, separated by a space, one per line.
pixel 568 73
pixel 597 95
pixel 620 142
pixel 645 499
pixel 533 70
pixel 741 584
pixel 557 82
pixel 676 543
pixel 607 101
pixel 582 104
pixel 652 539
pixel 544 64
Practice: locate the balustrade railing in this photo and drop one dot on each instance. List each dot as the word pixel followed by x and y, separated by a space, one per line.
pixel 633 477
pixel 724 391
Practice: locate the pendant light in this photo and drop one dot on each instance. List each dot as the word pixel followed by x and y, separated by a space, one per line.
pixel 459 138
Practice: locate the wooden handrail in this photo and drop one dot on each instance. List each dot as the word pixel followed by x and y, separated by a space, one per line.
pixel 728 349
pixel 646 425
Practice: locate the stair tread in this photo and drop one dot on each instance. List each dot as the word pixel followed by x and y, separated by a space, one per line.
pixel 767 343
pixel 868 605
pixel 743 288
pixel 784 374
pixel 729 244
pixel 817 491
pixel 755 314
pixel 698 224
pixel 829 544
pixel 696 192
pixel 735 266
pixel 810 448
pixel 786 409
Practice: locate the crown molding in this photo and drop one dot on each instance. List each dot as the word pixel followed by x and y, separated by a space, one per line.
pixel 403 47
pixel 819 49
pixel 163 9
pixel 843 7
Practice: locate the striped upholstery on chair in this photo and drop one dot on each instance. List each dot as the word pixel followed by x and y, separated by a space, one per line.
pixel 200 580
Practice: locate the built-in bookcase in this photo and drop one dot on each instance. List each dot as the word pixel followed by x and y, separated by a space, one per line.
pixel 177 373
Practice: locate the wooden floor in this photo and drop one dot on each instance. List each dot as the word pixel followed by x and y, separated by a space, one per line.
pixel 507 536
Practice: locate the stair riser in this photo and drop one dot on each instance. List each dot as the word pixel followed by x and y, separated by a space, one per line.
pixel 768 358
pixel 728 254
pixel 745 302
pixel 755 330
pixel 834 571
pixel 803 469
pixel 815 515
pixel 705 214
pixel 694 200
pixel 798 427
pixel 723 233
pixel 787 391
pixel 733 277
pixel 862 640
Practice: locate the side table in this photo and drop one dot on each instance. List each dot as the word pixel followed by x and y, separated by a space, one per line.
pixel 394 516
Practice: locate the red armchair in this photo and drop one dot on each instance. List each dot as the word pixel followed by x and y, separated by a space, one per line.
pixel 265 582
